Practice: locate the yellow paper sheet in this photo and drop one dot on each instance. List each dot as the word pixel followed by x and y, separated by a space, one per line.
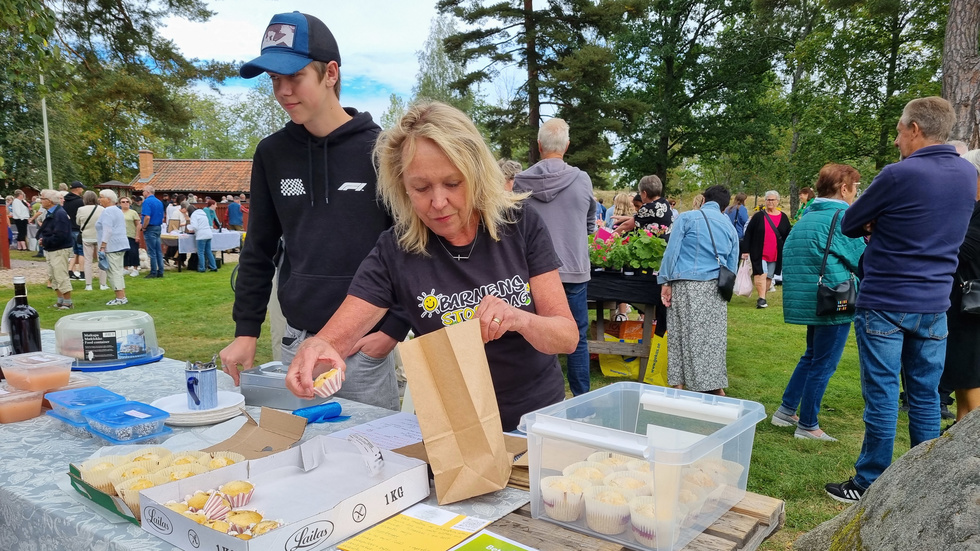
pixel 405 533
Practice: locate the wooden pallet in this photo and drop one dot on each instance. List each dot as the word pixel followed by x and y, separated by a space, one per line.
pixel 743 528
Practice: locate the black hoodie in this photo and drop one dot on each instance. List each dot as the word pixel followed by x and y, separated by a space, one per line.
pixel 318 195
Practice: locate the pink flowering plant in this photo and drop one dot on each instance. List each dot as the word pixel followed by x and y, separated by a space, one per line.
pixel 641 250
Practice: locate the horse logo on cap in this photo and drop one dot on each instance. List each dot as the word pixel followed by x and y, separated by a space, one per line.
pixel 279 34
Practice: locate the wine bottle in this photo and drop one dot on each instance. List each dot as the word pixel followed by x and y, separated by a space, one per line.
pixel 25 324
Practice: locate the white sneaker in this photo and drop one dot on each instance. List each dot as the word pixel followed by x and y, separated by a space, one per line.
pixel 117 302
pixel 88 287
pixel 134 273
pixel 104 287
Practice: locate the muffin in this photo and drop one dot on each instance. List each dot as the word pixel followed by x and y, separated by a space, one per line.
pixel 327 384
pixel 638 465
pixel 216 460
pixel 650 524
pixel 218 525
pixel 699 481
pixel 564 497
pixel 196 517
pixel 243 519
pixel 265 526
pixel 216 507
pixel 129 490
pixel 638 483
pixel 197 501
pixel 186 458
pixel 177 506
pixel 178 472
pixel 615 461
pixel 156 453
pixel 239 492
pixel 243 536
pixel 607 509
pixel 588 470
pixel 126 471
pixel 95 472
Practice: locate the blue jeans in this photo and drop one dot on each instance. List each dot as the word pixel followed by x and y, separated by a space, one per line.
pixel 577 363
pixel 151 234
pixel 205 260
pixel 824 346
pixel 888 341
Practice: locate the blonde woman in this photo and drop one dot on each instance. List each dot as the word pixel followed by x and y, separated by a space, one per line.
pixel 622 210
pixel 457 233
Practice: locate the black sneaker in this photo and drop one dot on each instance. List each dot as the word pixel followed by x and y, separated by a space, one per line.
pixel 845 492
pixel 761 303
pixel 945 413
pixel 73 275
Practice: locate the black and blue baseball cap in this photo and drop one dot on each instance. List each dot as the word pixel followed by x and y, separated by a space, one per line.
pixel 291 42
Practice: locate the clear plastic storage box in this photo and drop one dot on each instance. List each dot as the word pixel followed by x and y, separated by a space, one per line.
pixel 107 339
pixel 126 422
pixel 644 466
pixel 74 428
pixel 19 405
pixel 70 404
pixel 36 370
pixel 151 440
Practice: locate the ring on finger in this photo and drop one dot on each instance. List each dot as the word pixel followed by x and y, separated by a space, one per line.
pixel 496 320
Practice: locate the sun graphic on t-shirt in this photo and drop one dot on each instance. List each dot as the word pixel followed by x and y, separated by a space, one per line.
pixel 429 303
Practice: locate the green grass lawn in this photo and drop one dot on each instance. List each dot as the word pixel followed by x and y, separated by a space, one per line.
pixel 192 314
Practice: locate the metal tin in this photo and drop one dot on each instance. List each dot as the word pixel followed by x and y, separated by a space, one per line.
pixel 265 385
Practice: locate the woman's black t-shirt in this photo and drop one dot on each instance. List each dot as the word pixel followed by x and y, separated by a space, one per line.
pixel 437 291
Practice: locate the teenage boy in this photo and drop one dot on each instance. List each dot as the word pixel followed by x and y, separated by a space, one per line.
pixel 312 182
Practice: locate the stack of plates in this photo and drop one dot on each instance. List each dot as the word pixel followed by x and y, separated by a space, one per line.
pixel 230 404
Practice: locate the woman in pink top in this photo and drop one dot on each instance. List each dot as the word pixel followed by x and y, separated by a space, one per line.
pixel 764 238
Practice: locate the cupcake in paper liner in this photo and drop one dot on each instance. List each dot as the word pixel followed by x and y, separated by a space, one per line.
pixel 327 384
pixel 722 471
pixel 153 453
pixel 216 460
pixel 607 509
pixel 588 470
pixel 639 465
pixel 564 497
pixel 640 484
pixel 216 507
pixel 177 506
pixel 198 499
pixel 129 490
pixel 219 525
pixel 242 520
pixel 615 461
pixel 126 471
pixel 178 472
pixel 196 517
pixel 651 525
pixel 264 527
pixel 688 497
pixel 186 458
pixel 699 481
pixel 95 472
pixel 239 492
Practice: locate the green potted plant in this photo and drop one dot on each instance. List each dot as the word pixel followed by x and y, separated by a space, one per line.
pixel 619 254
pixel 599 253
pixel 646 250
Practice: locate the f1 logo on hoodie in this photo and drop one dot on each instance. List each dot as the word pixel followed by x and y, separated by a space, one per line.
pixel 352 186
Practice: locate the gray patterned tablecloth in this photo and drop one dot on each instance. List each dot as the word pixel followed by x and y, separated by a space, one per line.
pixel 38 511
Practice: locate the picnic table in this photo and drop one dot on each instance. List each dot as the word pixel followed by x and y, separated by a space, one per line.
pixel 221 241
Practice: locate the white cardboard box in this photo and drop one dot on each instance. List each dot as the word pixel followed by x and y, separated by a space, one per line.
pixel 322 490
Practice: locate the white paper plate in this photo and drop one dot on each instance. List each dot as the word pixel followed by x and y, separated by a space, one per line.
pixel 229 405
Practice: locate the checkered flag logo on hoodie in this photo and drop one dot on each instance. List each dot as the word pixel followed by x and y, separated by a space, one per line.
pixel 291 187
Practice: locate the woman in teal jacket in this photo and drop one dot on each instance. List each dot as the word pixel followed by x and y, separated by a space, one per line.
pixel 837 186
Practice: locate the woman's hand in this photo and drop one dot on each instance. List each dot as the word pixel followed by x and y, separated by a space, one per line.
pixel 665 294
pixel 314 357
pixel 745 256
pixel 497 317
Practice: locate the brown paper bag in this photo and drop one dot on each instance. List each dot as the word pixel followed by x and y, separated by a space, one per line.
pixel 450 383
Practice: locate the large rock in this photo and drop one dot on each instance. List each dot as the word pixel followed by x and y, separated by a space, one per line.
pixel 927 500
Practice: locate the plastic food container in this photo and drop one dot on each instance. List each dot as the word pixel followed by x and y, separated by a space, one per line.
pixel 126 421
pixel 157 438
pixel 69 404
pixel 76 380
pixel 107 339
pixel 36 370
pixel 19 405
pixel 74 428
pixel 694 448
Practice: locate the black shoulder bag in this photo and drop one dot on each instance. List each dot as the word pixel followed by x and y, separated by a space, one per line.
pixel 840 298
pixel 970 301
pixel 726 277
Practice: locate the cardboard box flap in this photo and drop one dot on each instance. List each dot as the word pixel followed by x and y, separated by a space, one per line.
pixel 276 431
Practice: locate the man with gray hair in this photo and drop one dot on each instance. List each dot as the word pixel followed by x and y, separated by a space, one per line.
pixel 562 195
pixel 900 317
pixel 56 239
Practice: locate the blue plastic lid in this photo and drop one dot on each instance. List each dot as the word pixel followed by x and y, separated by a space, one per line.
pixel 82 398
pixel 125 414
pixel 65 420
pixel 165 432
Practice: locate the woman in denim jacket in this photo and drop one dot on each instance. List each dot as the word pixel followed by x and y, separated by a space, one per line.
pixel 697 316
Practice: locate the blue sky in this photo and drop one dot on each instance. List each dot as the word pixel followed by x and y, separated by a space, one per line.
pixel 378 41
